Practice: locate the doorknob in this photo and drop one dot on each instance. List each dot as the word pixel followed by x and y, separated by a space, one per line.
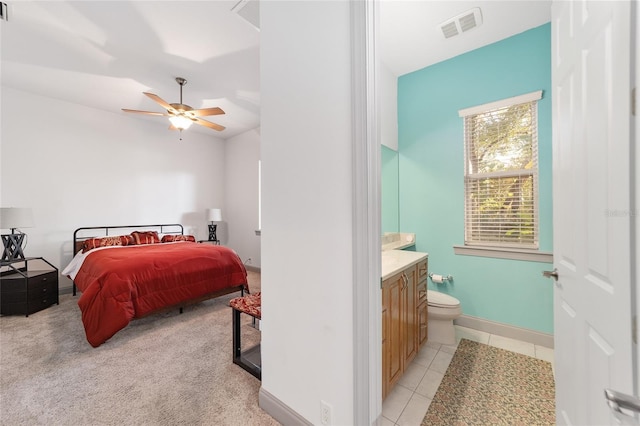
pixel 549 274
pixel 618 400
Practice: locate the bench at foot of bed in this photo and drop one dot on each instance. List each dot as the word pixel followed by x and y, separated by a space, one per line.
pixel 249 359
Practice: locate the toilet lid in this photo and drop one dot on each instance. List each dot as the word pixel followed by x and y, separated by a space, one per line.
pixel 435 298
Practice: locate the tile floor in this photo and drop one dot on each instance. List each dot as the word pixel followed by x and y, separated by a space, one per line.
pixel 409 400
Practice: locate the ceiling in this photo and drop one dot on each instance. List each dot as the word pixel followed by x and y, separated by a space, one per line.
pixel 411 37
pixel 104 54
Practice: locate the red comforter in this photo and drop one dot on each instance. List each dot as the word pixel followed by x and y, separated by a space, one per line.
pixel 124 283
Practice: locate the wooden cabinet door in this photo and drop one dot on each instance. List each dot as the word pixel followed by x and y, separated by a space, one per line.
pixel 422 323
pixel 410 319
pixel 395 329
pixel 421 303
pixel 385 345
pixel 404 316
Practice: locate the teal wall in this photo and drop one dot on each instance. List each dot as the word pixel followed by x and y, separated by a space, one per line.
pixel 389 190
pixel 431 170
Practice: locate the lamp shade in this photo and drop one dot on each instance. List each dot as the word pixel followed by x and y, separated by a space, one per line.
pixel 15 217
pixel 214 215
pixel 180 122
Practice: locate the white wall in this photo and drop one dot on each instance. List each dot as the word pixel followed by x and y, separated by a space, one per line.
pixel 307 207
pixel 388 89
pixel 240 217
pixel 78 166
pixel 635 44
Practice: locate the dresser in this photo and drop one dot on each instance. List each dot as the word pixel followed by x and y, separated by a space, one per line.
pixel 27 286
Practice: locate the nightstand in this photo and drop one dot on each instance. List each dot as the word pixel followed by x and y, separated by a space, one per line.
pixel 27 286
pixel 214 242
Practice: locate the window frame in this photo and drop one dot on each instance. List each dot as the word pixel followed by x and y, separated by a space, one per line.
pixel 501 249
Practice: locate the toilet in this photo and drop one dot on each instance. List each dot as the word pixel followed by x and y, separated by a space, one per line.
pixel 441 311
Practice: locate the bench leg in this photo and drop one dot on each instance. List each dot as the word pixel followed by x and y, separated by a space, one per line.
pixel 237 345
pixel 238 359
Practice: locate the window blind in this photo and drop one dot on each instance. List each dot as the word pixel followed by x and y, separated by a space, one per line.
pixel 501 176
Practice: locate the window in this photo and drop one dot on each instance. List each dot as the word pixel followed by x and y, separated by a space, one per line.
pixel 501 173
pixel 259 230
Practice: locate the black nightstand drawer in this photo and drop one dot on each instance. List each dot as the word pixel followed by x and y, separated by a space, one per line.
pixel 39 287
pixel 28 291
pixel 47 288
pixel 14 283
pixel 22 308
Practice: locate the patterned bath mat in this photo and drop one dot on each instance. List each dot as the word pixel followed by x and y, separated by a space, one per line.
pixel 485 385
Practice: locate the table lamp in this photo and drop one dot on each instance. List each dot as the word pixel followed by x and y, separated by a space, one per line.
pixel 213 215
pixel 13 218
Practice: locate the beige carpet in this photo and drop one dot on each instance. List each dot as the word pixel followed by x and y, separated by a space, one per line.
pixel 485 385
pixel 166 369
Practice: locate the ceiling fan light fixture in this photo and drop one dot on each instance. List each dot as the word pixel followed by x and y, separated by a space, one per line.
pixel 180 122
pixel 181 116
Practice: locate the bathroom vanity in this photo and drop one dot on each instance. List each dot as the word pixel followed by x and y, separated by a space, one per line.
pixel 404 312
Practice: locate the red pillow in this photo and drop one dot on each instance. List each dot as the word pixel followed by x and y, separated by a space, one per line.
pixel 145 237
pixel 120 240
pixel 178 237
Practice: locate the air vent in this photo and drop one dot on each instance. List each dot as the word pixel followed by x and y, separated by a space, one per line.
pixel 461 23
pixel 4 12
pixel 450 30
pixel 249 10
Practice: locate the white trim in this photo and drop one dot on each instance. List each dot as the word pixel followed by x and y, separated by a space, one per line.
pixel 635 182
pixel 520 99
pixel 252 268
pixel 367 298
pixel 278 410
pixel 504 253
pixel 65 290
pixel 506 330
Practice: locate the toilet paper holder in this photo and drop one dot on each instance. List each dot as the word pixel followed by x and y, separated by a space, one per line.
pixel 438 279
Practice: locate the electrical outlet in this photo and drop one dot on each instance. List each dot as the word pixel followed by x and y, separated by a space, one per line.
pixel 325 413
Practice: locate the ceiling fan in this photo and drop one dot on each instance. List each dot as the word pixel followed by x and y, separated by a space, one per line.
pixel 180 115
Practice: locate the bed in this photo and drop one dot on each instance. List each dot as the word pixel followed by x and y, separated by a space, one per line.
pixel 128 272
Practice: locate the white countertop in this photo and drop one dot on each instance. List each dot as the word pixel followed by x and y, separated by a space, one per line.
pixel 394 261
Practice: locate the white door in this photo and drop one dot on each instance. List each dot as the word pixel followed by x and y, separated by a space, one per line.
pixel 591 47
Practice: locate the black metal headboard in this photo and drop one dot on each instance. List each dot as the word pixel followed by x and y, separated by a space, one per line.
pixel 84 233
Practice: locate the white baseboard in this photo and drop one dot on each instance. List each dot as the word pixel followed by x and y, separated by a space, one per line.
pixel 505 330
pixel 252 268
pixel 280 411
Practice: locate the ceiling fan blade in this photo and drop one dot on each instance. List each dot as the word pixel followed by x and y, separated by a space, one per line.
pixel 144 112
pixel 207 111
pixel 209 124
pixel 159 100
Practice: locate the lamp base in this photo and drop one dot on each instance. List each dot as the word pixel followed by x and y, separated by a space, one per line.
pixel 212 232
pixel 12 244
